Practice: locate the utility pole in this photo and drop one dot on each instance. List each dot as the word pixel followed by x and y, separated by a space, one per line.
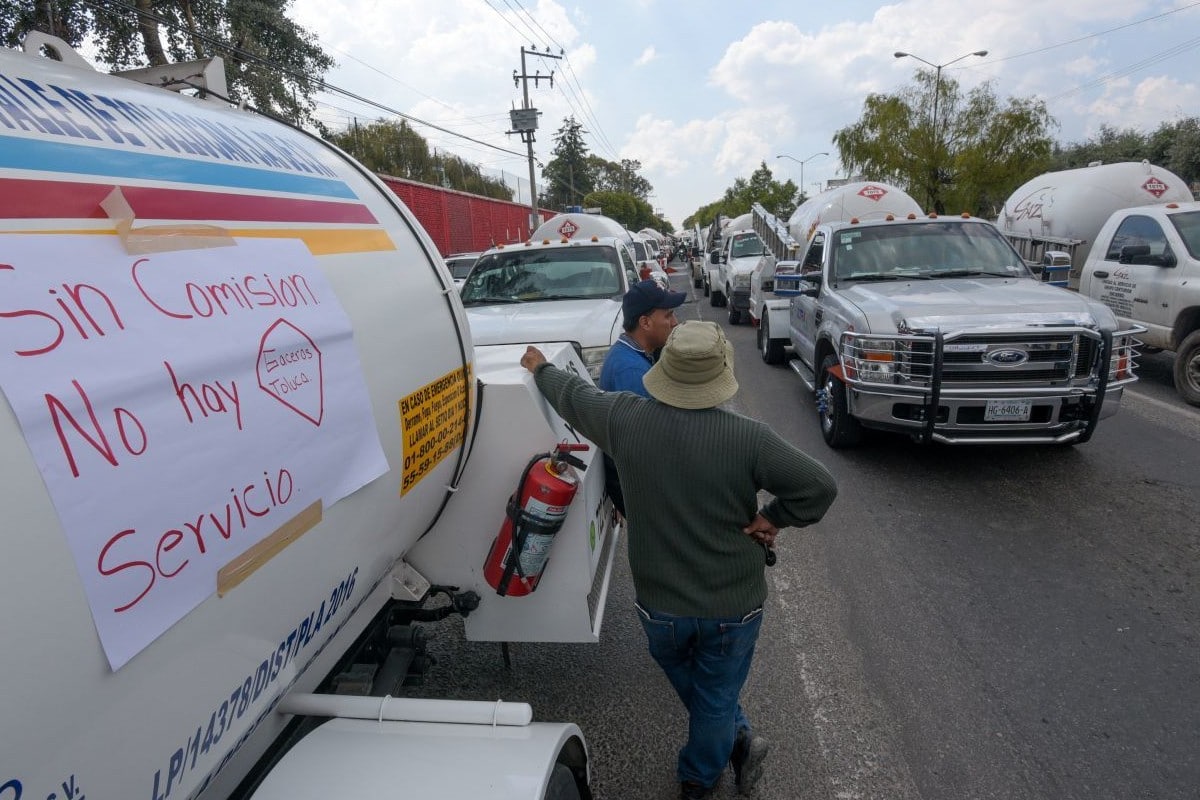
pixel 524 122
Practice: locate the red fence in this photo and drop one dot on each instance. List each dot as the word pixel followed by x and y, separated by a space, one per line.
pixel 463 223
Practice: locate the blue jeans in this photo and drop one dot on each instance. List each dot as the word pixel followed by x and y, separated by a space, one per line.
pixel 707 661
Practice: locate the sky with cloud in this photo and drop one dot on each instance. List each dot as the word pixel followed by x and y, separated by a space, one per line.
pixel 701 93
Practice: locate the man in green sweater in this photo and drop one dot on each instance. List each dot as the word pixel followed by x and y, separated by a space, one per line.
pixel 691 473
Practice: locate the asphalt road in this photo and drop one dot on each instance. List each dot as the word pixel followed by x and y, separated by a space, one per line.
pixel 1000 622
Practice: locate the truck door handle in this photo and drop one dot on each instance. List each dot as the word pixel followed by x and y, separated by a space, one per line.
pixel 1100 274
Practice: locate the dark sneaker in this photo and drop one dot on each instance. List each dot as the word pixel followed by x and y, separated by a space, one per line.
pixel 749 752
pixel 690 790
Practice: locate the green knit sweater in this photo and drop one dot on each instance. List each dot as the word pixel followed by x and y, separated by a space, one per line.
pixel 691 480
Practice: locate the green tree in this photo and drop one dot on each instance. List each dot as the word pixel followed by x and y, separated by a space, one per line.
pixel 632 212
pixel 1183 152
pixel 1173 145
pixel 969 155
pixel 778 198
pixel 270 62
pixel 394 148
pixel 1109 146
pixel 568 176
pixel 622 176
pixel 69 20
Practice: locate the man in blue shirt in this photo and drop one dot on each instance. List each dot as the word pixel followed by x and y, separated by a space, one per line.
pixel 649 317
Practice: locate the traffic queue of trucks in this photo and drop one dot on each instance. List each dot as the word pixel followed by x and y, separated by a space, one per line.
pixel 248 439
pixel 944 339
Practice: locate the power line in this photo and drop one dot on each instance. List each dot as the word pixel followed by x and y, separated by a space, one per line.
pixel 293 74
pixel 1094 35
pixel 1132 68
pixel 581 95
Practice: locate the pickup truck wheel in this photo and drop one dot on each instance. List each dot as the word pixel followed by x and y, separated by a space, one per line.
pixel 714 298
pixel 837 426
pixel 1187 368
pixel 770 349
pixel 562 784
pixel 735 316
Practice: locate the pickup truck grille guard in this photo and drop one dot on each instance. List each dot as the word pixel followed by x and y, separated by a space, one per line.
pixel 969 368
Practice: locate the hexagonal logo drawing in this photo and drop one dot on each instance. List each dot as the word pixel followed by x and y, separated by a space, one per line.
pixel 289 369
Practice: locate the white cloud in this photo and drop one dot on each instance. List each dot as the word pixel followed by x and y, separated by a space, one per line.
pixel 766 78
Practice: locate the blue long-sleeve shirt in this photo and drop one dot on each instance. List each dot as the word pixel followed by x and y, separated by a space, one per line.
pixel 624 367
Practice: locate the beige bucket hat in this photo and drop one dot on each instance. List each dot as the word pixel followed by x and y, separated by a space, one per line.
pixel 695 369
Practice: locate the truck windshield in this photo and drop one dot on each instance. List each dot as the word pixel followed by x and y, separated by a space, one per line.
pixel 561 273
pixel 1188 225
pixel 924 250
pixel 748 245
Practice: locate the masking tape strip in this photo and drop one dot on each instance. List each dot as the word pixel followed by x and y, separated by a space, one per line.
pixel 245 564
pixel 159 238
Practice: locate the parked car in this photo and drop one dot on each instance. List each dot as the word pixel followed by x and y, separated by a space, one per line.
pixel 460 265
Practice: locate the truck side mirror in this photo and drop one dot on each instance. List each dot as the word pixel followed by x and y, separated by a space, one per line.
pixel 1130 252
pixel 810 284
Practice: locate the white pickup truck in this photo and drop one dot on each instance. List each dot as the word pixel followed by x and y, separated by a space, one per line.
pixel 935 327
pixel 742 252
pixel 564 284
pixel 1145 266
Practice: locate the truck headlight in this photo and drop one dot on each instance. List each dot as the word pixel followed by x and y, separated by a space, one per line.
pixel 593 359
pixel 1122 363
pixel 874 360
pixel 741 280
pixel 877 368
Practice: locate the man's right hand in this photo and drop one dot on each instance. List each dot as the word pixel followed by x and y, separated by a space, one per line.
pixel 533 358
pixel 761 530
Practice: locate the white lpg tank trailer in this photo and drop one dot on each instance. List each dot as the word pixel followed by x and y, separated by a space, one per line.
pixel 246 438
pixel 1053 219
pixel 862 200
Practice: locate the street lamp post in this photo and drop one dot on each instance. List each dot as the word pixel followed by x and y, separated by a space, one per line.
pixel 935 196
pixel 802 163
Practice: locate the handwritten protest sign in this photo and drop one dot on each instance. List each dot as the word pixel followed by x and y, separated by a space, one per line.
pixel 181 406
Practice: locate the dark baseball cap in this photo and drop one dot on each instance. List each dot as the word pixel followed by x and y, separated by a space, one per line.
pixel 645 296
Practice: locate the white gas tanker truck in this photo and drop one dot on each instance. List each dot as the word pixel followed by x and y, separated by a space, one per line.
pixel 1054 219
pixel 245 438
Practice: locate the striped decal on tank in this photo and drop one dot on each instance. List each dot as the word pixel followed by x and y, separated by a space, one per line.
pixel 320 241
pixel 37 199
pixel 35 154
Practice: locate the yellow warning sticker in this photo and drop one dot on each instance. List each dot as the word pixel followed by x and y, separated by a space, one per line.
pixel 433 421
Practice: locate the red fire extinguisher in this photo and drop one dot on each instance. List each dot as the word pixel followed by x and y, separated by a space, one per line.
pixel 534 515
